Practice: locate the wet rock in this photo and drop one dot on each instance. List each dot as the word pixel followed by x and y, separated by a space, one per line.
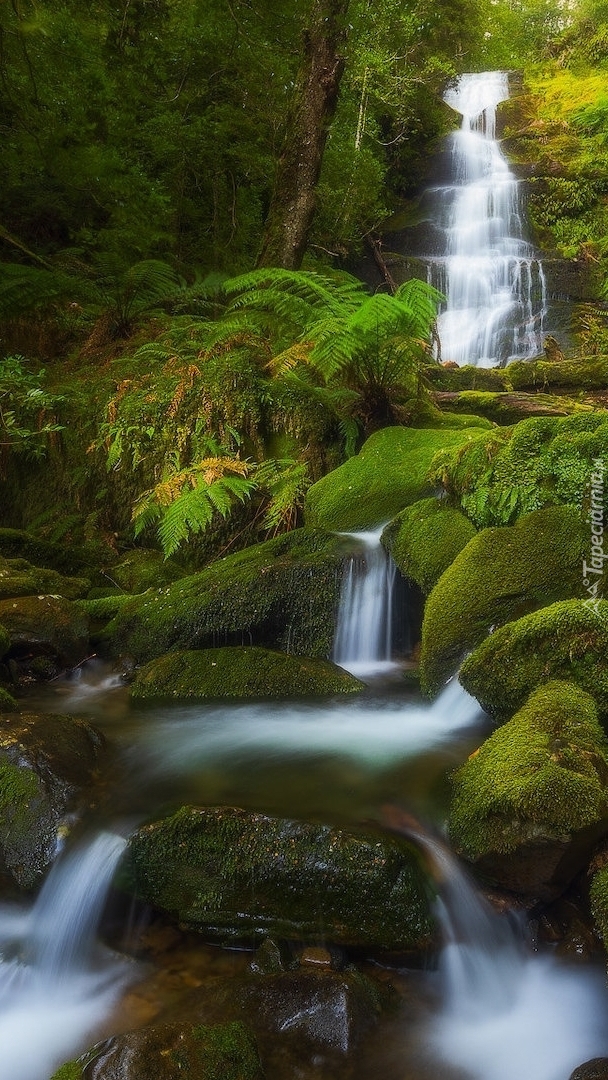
pixel 171 1052
pixel 46 767
pixel 531 803
pixel 240 673
pixel 46 625
pixel 388 474
pixel 596 1069
pixel 235 875
pixel 281 594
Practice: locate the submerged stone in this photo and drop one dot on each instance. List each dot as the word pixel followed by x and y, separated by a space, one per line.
pixel 529 805
pixel 280 594
pixel 46 766
pixel 567 640
pixel 236 875
pixel 388 474
pixel 425 539
pixel 240 673
pixel 501 574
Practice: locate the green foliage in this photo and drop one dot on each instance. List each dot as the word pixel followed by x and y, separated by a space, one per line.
pixel 24 404
pixel 550 458
pixel 539 775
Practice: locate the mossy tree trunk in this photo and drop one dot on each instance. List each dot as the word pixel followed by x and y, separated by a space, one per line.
pixel 313 105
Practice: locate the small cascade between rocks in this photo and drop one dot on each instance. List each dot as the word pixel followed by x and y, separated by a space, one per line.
pixel 56 983
pixel 507 1011
pixel 363 640
pixel 489 272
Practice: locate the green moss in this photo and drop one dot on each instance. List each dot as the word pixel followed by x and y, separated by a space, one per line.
pixel 48 622
pixel 281 594
pixel 425 539
pixel 457 420
pixel 66 559
pixel 598 894
pixel 501 575
pixel 542 773
pixel 567 640
pixel 141 569
pixel 467 378
pixel 584 373
pixel 72 1070
pixel 104 608
pixel 7 701
pixel 508 408
pixel 226 1052
pixel 237 875
pixel 19 578
pixel 388 474
pixel 542 461
pixel 5 641
pixel 240 673
pixel 17 787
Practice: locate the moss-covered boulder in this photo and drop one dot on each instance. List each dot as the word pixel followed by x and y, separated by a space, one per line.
pixel 46 766
pixel 280 594
pixel 7 701
pixel 171 1052
pixel 234 875
pixel 507 408
pixel 582 373
pixel 73 560
pixel 529 805
pixel 598 894
pixel 466 377
pixel 240 672
pixel 501 574
pixel 425 539
pixel 567 640
pixel 19 578
pixel 388 474
pixel 46 625
pixel 143 568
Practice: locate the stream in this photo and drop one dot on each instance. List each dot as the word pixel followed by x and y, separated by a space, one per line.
pixel 494 1008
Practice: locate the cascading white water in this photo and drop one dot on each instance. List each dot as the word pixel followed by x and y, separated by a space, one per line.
pixel 489 272
pixel 507 1012
pixel 363 640
pixel 54 989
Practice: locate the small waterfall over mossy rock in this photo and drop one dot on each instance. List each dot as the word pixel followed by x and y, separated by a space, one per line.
pixel 364 627
pixel 489 272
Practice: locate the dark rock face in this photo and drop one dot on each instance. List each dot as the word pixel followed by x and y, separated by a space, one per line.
pixel 596 1069
pixel 46 625
pixel 46 763
pixel 234 875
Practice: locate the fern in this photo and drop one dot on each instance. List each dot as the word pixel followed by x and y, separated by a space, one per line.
pixel 286 482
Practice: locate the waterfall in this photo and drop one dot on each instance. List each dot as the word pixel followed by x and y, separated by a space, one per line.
pixel 507 1012
pixel 363 640
pixel 490 274
pixel 56 987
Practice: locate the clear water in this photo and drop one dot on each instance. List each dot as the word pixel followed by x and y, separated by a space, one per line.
pixel 363 643
pixel 489 272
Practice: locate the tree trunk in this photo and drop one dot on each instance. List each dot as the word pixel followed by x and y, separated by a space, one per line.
pixel 313 105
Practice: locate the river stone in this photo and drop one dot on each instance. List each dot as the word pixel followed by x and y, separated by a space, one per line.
pixel 47 625
pixel 234 875
pixel 531 803
pixel 595 1069
pixel 240 673
pixel 388 474
pixel 175 1051
pixel 46 767
pixel 280 594
pixel 501 574
pixel 425 539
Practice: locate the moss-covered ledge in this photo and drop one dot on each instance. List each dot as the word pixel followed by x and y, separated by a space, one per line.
pixel 425 539
pixel 240 672
pixel 529 805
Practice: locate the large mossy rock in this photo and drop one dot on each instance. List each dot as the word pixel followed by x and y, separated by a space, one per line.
pixel 567 640
pixel 425 539
pixel 240 672
pixel 171 1052
pixel 280 594
pixel 73 560
pixel 388 474
pixel 583 373
pixel 19 578
pixel 141 568
pixel 501 574
pixel 530 804
pixel 507 408
pixel 233 875
pixel 46 625
pixel 46 767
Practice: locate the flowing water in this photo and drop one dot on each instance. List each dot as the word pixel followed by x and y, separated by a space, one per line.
pixel 489 272
pixel 364 642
